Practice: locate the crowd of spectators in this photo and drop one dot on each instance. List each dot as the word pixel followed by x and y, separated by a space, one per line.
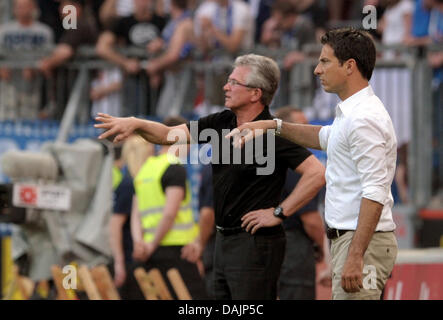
pixel 155 80
pixel 171 32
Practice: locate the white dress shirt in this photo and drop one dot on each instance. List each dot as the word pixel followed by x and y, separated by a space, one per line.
pixel 362 150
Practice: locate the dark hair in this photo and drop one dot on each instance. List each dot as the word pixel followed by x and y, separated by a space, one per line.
pixel 173 121
pixel 182 4
pixel 350 43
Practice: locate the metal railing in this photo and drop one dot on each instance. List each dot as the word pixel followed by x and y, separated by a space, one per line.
pixel 299 90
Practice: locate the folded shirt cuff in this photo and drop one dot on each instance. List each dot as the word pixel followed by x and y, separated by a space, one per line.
pixel 377 194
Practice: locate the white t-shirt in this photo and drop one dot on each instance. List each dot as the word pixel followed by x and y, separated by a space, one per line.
pixel 16 37
pixel 394 31
pixel 238 18
pixel 124 8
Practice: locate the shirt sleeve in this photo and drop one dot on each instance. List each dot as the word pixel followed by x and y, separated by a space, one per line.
pixel 123 197
pixel 196 127
pixel 367 145
pixel 175 176
pixel 323 137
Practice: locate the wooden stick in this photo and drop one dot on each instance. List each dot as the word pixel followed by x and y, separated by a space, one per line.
pixel 178 284
pixel 104 282
pixel 58 276
pixel 145 284
pixel 25 284
pixel 159 284
pixel 88 283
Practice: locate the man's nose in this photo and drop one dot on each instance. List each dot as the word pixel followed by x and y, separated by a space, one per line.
pixel 317 70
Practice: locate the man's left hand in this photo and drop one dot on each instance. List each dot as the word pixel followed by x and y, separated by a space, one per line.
pixel 254 220
pixel 352 274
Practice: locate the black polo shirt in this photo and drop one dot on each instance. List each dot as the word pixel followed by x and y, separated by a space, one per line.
pixel 237 187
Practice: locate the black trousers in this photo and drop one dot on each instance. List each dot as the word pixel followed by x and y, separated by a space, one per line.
pixel 297 278
pixel 247 267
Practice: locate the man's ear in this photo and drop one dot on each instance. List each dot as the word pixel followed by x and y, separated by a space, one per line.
pixel 351 65
pixel 257 94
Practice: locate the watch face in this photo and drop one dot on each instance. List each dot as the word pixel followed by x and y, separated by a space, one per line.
pixel 277 211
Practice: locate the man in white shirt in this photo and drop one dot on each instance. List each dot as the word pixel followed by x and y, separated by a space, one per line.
pixel 361 148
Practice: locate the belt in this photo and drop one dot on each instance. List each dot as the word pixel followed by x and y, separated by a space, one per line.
pixel 262 231
pixel 229 231
pixel 332 233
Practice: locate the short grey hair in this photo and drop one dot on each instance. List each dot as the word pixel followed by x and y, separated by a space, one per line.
pixel 264 74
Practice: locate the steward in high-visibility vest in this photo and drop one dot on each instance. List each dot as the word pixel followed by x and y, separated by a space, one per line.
pixel 151 202
pixel 117 177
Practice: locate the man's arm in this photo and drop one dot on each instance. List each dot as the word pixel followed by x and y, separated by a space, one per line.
pixel 62 53
pixel 172 54
pixel 313 226
pixel 151 131
pixel 302 134
pixel 193 251
pixel 105 49
pixel 116 241
pixel 231 42
pixel 370 211
pixel 137 232
pixel 207 222
pixel 311 181
pixel 368 142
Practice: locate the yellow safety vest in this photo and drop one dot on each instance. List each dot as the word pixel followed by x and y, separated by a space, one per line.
pixel 117 177
pixel 151 202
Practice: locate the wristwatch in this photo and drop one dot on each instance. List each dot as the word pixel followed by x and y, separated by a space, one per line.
pixel 279 124
pixel 278 212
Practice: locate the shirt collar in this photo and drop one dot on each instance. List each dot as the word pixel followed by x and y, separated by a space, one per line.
pixel 264 115
pixel 347 105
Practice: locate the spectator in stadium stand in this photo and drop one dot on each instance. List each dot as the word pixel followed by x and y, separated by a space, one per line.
pixel 248 257
pixel 395 25
pixel 50 15
pixel 361 146
pixel 204 246
pixel 128 160
pixel 138 30
pixel 20 96
pixel 223 28
pixel 162 220
pixel 316 12
pixel 225 24
pixel 287 29
pixel 85 34
pixel 305 235
pixel 175 45
pixel 105 92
